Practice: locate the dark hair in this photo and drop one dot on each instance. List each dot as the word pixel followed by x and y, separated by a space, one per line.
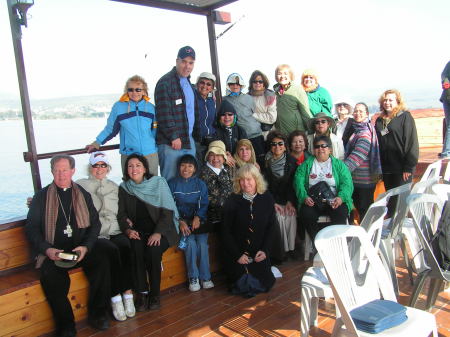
pixel 297 133
pixel 254 75
pixel 188 159
pixel 277 134
pixel 365 105
pixel 143 160
pixel 59 157
pixel 323 138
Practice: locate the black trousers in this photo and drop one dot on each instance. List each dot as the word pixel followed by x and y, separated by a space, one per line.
pixel 390 181
pixel 147 261
pixel 310 215
pixel 258 146
pixel 121 272
pixel 363 198
pixel 55 282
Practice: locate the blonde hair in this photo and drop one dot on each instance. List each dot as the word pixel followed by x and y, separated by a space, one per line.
pixel 401 105
pixel 136 78
pixel 246 171
pixel 248 144
pixel 289 69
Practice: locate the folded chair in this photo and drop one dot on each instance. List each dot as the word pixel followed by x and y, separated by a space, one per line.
pixel 423 224
pixel 351 289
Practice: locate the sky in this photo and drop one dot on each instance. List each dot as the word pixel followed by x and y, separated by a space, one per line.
pixel 359 48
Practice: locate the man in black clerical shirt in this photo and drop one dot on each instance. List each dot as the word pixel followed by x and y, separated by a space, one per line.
pixel 62 219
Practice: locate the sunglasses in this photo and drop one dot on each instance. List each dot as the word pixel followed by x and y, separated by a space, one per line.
pixel 229 114
pixel 320 121
pixel 323 146
pixel 100 165
pixel 208 84
pixel 277 143
pixel 258 81
pixel 134 89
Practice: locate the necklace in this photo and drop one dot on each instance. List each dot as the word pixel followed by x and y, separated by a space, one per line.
pixel 68 230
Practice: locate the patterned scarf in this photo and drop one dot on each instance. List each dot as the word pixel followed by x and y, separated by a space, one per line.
pixel 80 210
pixel 374 152
pixel 153 191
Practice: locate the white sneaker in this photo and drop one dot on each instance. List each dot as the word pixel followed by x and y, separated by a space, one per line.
pixel 207 284
pixel 130 310
pixel 194 285
pixel 118 311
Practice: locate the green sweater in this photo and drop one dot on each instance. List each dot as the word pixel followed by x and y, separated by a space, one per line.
pixel 292 110
pixel 320 101
pixel 342 176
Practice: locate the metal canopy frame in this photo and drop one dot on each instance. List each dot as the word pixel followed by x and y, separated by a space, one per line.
pixel 199 7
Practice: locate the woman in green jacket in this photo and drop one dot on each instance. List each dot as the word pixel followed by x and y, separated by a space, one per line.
pixel 319 98
pixel 318 168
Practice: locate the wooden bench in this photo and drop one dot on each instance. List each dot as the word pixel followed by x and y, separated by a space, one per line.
pixel 24 310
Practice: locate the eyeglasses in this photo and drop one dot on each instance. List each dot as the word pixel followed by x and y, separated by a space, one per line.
pixel 320 121
pixel 229 114
pixel 135 89
pixel 234 84
pixel 258 81
pixel 208 84
pixel 323 146
pixel 277 143
pixel 100 165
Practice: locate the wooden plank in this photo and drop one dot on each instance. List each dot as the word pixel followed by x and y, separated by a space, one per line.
pixel 14 248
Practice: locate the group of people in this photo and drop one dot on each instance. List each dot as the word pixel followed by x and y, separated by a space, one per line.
pixel 259 169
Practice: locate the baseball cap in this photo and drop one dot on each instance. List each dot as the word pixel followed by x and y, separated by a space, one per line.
pixel 98 157
pixel 185 52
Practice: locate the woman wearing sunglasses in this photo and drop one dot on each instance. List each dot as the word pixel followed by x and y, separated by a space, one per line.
pixel 279 172
pixel 321 125
pixel 323 167
pixel 264 99
pixel 133 116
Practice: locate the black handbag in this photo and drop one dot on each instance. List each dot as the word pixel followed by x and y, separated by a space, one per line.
pixel 321 194
pixel 266 127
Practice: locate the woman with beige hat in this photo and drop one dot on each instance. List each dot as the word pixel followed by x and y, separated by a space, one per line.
pixel 321 125
pixel 319 98
pixel 218 178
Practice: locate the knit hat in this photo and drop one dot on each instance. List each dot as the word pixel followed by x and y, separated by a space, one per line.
pixel 98 157
pixel 216 147
pixel 185 52
pixel 320 115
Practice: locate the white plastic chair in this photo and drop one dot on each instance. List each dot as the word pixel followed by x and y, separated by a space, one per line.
pixel 433 171
pixel 351 289
pixel 442 191
pixel 392 228
pixel 447 173
pixel 423 223
pixel 314 283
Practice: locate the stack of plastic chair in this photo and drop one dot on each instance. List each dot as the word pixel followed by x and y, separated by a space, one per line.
pixel 442 191
pixel 314 284
pixel 423 223
pixel 447 173
pixel 408 235
pixel 352 289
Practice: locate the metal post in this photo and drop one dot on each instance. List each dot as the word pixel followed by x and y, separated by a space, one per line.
pixel 214 57
pixel 16 33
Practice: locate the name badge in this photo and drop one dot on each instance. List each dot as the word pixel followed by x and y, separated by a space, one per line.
pixel 384 132
pixel 178 101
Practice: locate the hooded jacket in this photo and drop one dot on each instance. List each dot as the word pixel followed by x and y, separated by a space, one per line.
pixel 243 105
pixel 229 135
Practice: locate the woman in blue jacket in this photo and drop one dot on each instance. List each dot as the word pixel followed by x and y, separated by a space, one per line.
pixel 191 197
pixel 134 117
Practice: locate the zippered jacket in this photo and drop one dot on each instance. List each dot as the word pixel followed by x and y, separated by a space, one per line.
pixel 207 115
pixel 136 123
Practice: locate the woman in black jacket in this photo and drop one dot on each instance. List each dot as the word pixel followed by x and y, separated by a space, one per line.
pixel 399 145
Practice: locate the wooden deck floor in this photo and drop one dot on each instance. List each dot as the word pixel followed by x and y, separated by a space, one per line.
pixel 215 312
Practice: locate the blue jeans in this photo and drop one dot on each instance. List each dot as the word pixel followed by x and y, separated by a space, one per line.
pixel 168 158
pixel 197 248
pixel 446 145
